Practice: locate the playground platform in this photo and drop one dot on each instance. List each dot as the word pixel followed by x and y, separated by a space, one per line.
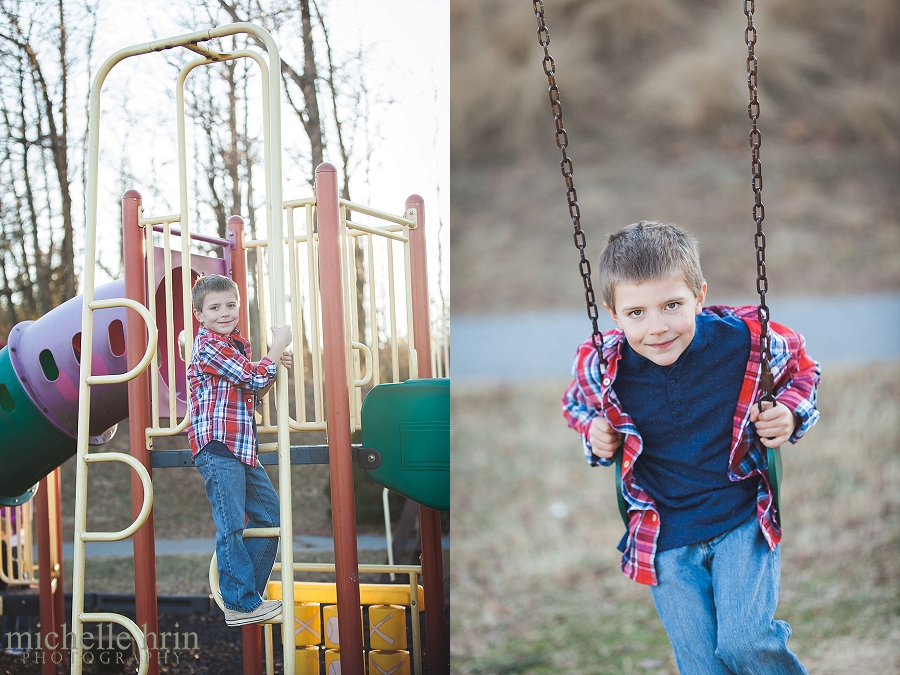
pixel 302 544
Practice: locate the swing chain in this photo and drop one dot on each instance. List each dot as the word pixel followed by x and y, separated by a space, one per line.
pixel 565 166
pixel 759 211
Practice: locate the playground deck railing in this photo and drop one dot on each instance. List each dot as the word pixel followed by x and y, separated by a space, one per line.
pixel 18 566
pixel 378 314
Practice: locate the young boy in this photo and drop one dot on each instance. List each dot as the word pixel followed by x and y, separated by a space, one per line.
pixel 224 387
pixel 679 398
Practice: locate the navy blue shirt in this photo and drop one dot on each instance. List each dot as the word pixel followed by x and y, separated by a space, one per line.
pixel 685 415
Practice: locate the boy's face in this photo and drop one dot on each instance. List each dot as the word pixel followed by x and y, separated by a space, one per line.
pixel 220 312
pixel 657 317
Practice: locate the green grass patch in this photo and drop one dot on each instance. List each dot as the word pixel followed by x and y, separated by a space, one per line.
pixel 577 635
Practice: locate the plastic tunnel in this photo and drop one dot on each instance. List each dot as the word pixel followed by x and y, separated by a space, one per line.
pixel 39 374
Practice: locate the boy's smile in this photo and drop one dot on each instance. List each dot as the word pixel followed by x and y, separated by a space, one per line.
pixel 657 317
pixel 220 312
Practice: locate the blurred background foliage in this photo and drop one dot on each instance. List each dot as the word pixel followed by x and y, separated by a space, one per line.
pixel 654 95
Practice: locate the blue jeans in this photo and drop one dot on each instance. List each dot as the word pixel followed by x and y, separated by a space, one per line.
pixel 717 602
pixel 233 489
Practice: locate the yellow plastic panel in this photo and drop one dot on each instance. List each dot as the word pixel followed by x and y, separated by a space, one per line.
pixel 307 660
pixel 307 624
pixel 333 661
pixel 387 627
pixel 388 663
pixel 369 594
pixel 330 622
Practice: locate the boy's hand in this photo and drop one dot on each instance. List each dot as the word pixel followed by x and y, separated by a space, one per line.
pixel 287 360
pixel 774 425
pixel 281 335
pixel 281 338
pixel 604 439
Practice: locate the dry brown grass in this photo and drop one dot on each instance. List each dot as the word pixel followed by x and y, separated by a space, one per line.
pixel 538 593
pixel 629 66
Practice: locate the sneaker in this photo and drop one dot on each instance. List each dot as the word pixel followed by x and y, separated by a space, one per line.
pixel 269 609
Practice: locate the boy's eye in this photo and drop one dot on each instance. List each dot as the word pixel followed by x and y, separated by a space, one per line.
pixel 636 313
pixel 672 305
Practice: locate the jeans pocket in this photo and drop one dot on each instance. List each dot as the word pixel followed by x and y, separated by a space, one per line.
pixel 201 459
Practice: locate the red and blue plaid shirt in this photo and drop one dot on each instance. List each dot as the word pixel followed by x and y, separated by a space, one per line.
pixel 591 394
pixel 223 386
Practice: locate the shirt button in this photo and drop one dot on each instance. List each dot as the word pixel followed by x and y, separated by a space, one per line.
pixel 653 517
pixel 606 381
pixel 626 463
pixel 672 383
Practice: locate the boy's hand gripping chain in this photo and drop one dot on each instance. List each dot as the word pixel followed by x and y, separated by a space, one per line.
pixel 584 266
pixel 565 166
pixel 766 383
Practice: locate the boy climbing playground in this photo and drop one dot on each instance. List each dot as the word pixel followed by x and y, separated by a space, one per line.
pixel 678 398
pixel 225 387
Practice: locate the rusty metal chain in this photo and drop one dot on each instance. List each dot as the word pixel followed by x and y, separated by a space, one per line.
pixel 759 211
pixel 565 166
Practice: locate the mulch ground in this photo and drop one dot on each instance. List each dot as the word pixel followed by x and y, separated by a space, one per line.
pixel 218 651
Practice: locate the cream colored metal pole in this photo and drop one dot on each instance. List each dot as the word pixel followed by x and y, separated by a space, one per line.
pixel 272 151
pixel 276 271
pixel 273 163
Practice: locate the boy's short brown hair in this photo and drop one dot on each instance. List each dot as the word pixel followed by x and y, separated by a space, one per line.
pixel 649 250
pixel 211 283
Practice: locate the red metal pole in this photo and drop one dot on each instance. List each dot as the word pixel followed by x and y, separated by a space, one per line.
pixel 45 578
pixel 429 520
pixel 251 636
pixel 59 599
pixel 337 400
pixel 134 244
pixel 239 271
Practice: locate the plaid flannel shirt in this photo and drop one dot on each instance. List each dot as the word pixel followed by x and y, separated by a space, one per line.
pixel 223 386
pixel 591 394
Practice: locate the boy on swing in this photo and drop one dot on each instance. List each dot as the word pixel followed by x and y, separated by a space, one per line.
pixel 678 397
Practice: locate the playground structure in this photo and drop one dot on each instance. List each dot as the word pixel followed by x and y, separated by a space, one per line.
pixel 133 364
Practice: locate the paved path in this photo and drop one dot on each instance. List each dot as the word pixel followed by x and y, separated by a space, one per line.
pixel 542 344
pixel 97 549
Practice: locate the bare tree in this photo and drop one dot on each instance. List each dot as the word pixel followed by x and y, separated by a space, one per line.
pixel 302 90
pixel 304 80
pixel 35 185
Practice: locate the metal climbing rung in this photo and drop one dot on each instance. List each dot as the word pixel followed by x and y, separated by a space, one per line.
pixel 261 532
pixel 82 536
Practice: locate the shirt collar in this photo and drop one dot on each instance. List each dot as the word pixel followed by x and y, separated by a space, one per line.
pixel 233 336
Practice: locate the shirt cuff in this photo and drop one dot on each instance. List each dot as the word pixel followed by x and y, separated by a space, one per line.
pixel 592 459
pixel 803 410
